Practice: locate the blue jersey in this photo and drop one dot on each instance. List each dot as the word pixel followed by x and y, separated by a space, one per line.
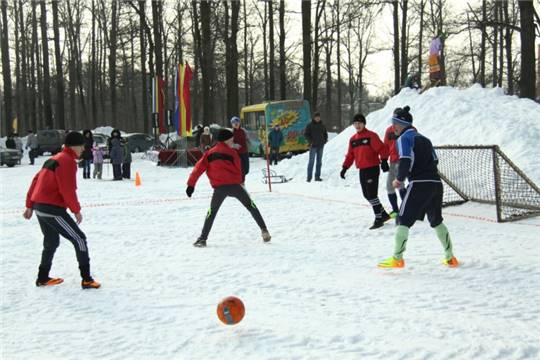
pixel 417 158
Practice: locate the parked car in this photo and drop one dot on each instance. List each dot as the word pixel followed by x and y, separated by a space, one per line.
pixel 139 142
pixel 10 157
pixel 102 141
pixel 50 141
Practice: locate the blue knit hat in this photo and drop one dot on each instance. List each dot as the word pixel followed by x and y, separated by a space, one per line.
pixel 235 120
pixel 402 117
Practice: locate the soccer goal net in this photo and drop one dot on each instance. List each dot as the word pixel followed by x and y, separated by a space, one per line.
pixel 485 174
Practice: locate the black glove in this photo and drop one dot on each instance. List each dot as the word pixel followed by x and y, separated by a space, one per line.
pixel 190 190
pixel 342 173
pixel 384 166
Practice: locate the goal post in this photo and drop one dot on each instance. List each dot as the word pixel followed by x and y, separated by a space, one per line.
pixel 483 173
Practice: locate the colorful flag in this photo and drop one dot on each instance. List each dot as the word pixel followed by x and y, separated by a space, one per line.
pixel 182 111
pixel 158 106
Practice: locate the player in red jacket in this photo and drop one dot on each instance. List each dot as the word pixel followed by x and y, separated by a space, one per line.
pixel 390 138
pixel 367 151
pixel 53 190
pixel 240 143
pixel 223 168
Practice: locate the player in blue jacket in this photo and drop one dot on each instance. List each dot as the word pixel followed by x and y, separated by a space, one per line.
pixel 417 162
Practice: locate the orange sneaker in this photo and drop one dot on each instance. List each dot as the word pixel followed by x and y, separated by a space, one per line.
pixel 92 284
pixel 451 263
pixel 392 262
pixel 50 282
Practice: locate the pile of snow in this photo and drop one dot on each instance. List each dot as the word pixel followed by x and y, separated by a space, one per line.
pixel 448 116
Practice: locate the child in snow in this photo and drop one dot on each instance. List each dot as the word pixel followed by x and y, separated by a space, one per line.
pixel 417 161
pixel 224 170
pixel 365 149
pixel 97 153
pixel 53 190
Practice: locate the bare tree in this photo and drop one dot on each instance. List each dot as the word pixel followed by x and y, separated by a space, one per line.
pixel 231 54
pixel 528 71
pixel 47 108
pixel 306 46
pixel 6 71
pixel 282 67
pixel 59 72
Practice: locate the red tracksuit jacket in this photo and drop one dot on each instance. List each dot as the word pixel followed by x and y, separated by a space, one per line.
pixel 390 141
pixel 56 183
pixel 365 147
pixel 222 166
pixel 240 138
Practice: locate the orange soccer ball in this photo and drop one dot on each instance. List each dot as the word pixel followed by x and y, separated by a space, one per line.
pixel 231 310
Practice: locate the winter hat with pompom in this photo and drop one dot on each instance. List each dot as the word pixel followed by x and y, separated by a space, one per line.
pixel 402 117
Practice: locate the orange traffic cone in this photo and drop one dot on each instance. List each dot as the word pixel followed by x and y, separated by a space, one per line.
pixel 137 179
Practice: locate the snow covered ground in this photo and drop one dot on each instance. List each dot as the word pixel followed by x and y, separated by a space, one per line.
pixel 314 292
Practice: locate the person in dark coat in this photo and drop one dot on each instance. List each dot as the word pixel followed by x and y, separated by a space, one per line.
pixel 116 152
pixel 87 155
pixel 275 140
pixel 317 136
pixel 241 145
pixel 10 142
pixel 126 160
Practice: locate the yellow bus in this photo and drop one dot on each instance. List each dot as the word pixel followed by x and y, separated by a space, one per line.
pixel 291 115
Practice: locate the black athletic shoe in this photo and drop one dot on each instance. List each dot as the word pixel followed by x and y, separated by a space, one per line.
pixel 377 224
pixel 318 179
pixel 308 180
pixel 385 217
pixel 200 243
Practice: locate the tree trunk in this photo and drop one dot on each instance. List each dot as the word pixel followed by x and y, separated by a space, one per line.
pixel 282 69
pixel 37 107
pixel 59 72
pixel 317 51
pixel 246 73
pixel 404 43
pixel 328 62
pixel 473 54
pixel 306 49
pixel 93 102
pixel 272 67
pixel 6 72
pixel 206 62
pixel 144 76
pixel 112 60
pixel 508 48
pixel 47 108
pixel 232 61
pixel 18 80
pixel 501 45
pixel 397 77
pixel 528 71
pixel 24 69
pixel 421 36
pixel 156 19
pixel 338 58
pixel 494 43
pixel 483 46
pixel 265 54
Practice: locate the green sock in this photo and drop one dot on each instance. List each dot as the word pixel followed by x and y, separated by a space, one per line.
pixel 444 237
pixel 402 234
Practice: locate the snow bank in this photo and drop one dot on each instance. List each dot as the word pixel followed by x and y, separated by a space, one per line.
pixel 448 116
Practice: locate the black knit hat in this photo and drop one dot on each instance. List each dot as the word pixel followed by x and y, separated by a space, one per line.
pixel 74 138
pixel 403 117
pixel 224 135
pixel 358 118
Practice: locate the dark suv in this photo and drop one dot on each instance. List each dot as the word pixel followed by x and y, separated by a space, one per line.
pixel 50 141
pixel 139 142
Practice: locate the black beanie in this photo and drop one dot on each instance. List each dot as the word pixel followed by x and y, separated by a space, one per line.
pixel 74 138
pixel 403 116
pixel 224 134
pixel 358 118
